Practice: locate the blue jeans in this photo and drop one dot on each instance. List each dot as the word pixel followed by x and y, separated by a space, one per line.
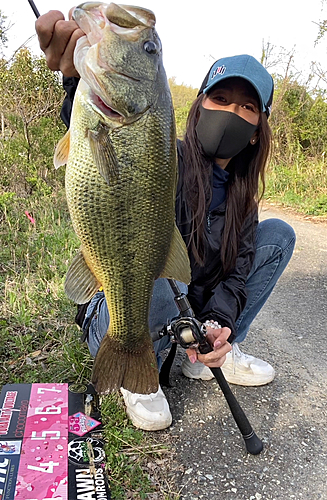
pixel 275 241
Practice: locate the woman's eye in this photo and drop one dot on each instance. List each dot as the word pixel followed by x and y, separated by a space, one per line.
pixel 249 107
pixel 219 98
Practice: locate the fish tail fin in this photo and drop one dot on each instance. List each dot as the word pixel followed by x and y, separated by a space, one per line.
pixel 115 367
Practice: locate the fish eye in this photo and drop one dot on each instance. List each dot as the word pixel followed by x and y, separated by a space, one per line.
pixel 150 47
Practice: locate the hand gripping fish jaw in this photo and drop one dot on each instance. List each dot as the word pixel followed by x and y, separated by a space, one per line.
pixel 187 331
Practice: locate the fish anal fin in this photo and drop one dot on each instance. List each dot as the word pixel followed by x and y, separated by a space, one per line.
pixel 103 153
pixel 115 367
pixel 80 284
pixel 62 151
pixel 177 265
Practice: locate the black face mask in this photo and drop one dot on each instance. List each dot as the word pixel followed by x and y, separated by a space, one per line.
pixel 223 134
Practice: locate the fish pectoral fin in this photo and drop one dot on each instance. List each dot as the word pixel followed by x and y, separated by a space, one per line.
pixel 103 153
pixel 80 283
pixel 177 265
pixel 62 151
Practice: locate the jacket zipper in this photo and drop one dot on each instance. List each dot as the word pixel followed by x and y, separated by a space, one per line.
pixel 209 222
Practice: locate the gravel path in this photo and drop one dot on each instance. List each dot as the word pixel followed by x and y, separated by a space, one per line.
pixel 289 415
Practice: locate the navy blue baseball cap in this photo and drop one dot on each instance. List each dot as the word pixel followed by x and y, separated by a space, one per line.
pixel 243 66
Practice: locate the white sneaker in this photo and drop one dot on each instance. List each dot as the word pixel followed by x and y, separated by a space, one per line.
pixel 242 369
pixel 196 370
pixel 149 412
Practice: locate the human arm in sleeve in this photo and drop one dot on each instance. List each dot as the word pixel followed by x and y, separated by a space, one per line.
pixel 227 299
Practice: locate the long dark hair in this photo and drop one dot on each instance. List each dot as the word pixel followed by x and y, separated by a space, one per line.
pixel 246 173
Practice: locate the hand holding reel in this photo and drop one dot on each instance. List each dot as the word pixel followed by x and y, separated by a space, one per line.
pixel 187 331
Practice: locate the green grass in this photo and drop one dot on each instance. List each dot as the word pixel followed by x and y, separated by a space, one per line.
pixel 38 337
pixel 135 459
pixel 302 187
pixel 39 341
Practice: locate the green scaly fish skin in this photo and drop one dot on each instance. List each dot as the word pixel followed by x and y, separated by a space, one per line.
pixel 120 184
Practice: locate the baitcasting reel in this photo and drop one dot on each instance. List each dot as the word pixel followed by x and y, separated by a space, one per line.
pixel 185 329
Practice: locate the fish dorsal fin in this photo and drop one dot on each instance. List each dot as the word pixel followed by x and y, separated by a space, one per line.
pixel 62 151
pixel 177 265
pixel 80 284
pixel 103 153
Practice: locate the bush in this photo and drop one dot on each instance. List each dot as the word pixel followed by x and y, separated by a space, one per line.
pixel 30 101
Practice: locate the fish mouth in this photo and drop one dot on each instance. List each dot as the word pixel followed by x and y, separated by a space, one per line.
pixel 114 116
pixel 99 103
pixel 99 70
pixel 96 89
pixel 93 18
pixel 123 20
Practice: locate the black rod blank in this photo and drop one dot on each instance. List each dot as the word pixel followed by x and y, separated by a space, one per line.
pixel 253 444
pixel 34 8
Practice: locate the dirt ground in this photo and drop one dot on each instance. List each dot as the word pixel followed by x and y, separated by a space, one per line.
pixel 289 415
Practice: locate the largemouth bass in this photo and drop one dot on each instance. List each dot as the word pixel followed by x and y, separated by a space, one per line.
pixel 121 178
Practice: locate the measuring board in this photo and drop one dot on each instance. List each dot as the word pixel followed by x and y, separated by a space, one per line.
pixel 51 443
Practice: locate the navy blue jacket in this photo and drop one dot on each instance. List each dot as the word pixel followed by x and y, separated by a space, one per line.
pixel 225 301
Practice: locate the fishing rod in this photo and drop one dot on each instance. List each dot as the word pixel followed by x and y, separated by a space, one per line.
pixel 187 331
pixel 34 8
